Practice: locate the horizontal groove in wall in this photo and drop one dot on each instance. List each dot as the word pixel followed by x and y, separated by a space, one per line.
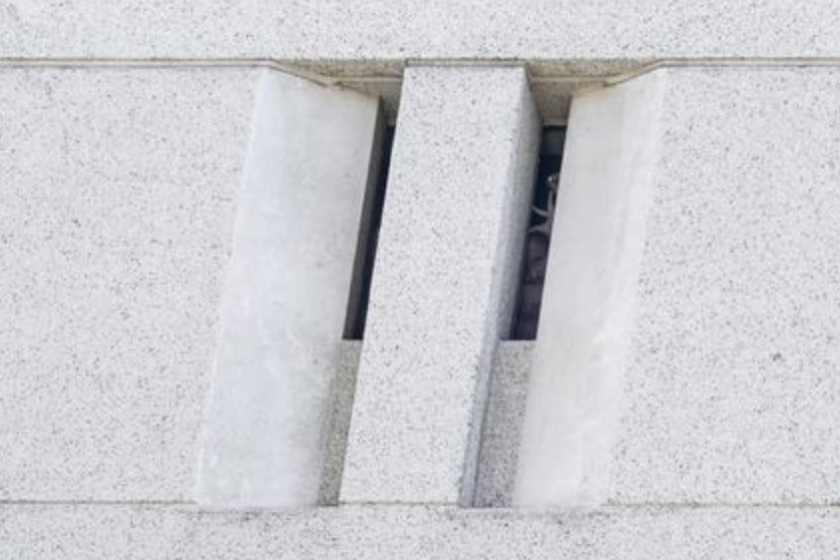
pixel 189 508
pixel 331 72
pixel 553 82
pixel 154 503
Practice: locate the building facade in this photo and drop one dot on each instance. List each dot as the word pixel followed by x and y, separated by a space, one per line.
pixel 265 267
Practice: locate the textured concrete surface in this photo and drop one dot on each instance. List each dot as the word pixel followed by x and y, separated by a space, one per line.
pixel 375 35
pixel 586 320
pixel 732 396
pixel 503 424
pixel 442 295
pixel 288 278
pixel 118 198
pixel 117 192
pixel 59 532
pixel 499 440
pixel 342 392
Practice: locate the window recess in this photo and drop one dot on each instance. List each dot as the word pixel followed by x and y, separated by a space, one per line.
pixel 357 305
pixel 538 237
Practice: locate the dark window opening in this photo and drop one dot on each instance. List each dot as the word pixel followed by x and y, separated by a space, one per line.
pixel 538 237
pixel 357 306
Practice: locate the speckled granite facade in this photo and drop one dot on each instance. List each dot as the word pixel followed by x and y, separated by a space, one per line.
pixel 124 142
pixel 118 192
pixel 732 394
pixel 442 295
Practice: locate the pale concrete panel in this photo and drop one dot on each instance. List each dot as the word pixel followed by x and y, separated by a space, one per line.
pixel 375 35
pixel 67 532
pixel 586 318
pixel 733 393
pixel 285 299
pixel 443 286
pixel 117 196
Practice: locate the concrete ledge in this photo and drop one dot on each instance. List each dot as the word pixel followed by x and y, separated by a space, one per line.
pixel 164 532
pixel 586 36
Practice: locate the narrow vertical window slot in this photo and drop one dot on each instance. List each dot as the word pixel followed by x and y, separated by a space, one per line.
pixel 538 237
pixel 371 219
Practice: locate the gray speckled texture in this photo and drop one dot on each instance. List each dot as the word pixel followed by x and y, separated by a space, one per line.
pixel 117 192
pixel 108 532
pixel 342 392
pixel 733 393
pixel 587 36
pixel 503 424
pixel 499 440
pixel 442 295
pixel 286 290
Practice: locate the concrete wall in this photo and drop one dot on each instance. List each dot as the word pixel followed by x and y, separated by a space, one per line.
pixel 685 396
pixel 117 191
pixel 733 389
pixel 288 278
pixel 378 34
pixel 32 532
pixel 443 290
